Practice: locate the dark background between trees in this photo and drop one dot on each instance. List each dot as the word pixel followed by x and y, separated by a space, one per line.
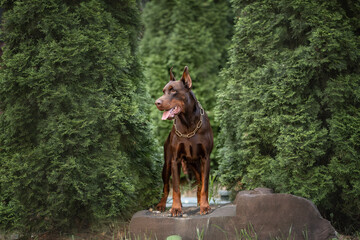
pixel 186 33
pixel 80 139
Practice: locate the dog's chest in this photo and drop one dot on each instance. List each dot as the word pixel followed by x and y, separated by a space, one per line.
pixel 191 151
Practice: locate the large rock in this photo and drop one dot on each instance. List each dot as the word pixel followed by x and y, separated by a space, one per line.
pixel 258 212
pixel 279 214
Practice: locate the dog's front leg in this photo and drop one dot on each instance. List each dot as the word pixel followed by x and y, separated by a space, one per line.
pixel 176 206
pixel 205 171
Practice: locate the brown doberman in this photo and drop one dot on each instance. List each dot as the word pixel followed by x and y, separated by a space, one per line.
pixel 189 143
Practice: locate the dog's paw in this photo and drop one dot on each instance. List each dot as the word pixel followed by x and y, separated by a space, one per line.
pixel 176 211
pixel 204 209
pixel 161 207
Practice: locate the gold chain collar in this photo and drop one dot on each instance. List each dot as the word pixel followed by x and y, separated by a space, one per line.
pixel 198 125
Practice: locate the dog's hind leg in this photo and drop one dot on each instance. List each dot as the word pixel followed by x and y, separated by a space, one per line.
pixel 196 170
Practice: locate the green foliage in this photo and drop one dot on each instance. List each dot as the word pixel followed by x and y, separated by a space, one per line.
pixel 200 234
pixel 75 142
pixel 179 33
pixel 289 114
pixel 212 188
pixel 174 237
pixel 247 233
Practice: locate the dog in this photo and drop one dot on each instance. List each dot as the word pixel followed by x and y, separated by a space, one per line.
pixel 189 143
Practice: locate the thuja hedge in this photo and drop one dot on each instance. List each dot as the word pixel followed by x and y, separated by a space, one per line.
pixel 290 113
pixel 179 33
pixel 75 139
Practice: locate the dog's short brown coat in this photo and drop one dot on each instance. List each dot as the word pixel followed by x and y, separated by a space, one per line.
pixel 190 153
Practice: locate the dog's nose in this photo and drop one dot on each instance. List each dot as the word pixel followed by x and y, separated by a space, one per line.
pixel 158 102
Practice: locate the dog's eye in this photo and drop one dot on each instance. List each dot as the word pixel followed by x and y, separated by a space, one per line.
pixel 173 91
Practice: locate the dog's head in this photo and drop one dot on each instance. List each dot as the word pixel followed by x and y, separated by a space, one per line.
pixel 176 93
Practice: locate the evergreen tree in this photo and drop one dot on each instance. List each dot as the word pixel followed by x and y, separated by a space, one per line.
pixel 75 142
pixel 179 33
pixel 290 112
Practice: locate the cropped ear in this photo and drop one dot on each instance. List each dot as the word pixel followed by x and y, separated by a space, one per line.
pixel 172 78
pixel 186 78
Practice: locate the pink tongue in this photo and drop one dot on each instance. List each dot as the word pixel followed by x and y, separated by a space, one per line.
pixel 165 115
